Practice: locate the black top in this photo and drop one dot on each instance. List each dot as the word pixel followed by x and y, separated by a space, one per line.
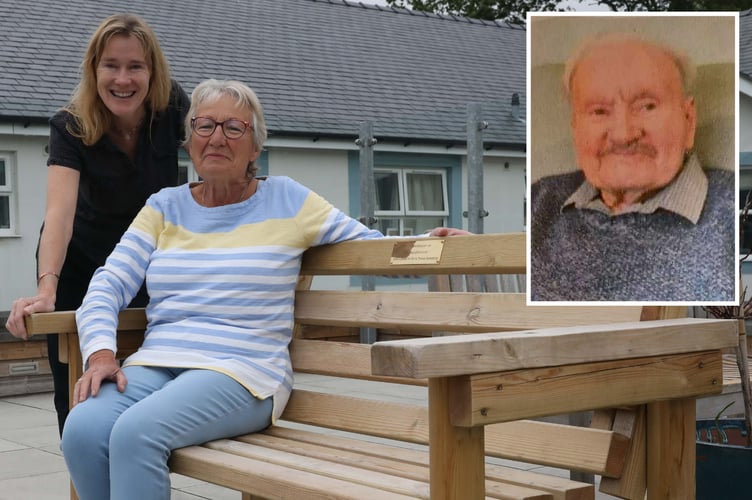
pixel 112 187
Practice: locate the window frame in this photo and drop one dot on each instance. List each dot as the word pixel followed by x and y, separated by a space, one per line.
pixel 402 174
pixel 8 190
pixel 444 195
pixel 190 171
pixel 400 192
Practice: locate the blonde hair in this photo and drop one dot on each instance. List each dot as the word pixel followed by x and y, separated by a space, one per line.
pixel 211 90
pixel 92 118
pixel 680 60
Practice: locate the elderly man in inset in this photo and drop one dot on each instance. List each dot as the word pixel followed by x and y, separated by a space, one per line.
pixel 641 220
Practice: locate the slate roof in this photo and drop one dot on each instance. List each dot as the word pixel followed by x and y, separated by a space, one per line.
pixel 320 67
pixel 745 43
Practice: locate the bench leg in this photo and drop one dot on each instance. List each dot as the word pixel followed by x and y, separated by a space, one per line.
pixel 68 343
pixel 629 422
pixel 457 454
pixel 671 449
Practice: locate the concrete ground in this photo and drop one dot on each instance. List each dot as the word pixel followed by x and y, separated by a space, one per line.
pixel 32 467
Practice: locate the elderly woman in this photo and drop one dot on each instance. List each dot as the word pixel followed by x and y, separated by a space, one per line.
pixel 220 259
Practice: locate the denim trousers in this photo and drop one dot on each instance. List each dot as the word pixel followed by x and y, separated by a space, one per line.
pixel 116 445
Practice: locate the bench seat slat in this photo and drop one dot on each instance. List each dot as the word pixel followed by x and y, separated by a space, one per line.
pixel 268 480
pixel 559 488
pixel 383 472
pixel 386 459
pixel 368 471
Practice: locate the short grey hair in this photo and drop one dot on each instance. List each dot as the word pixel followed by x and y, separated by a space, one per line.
pixel 682 62
pixel 211 90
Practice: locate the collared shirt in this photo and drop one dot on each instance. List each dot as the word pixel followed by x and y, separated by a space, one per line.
pixel 685 195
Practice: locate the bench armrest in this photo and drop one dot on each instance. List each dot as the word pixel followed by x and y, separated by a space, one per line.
pixel 65 321
pixel 449 356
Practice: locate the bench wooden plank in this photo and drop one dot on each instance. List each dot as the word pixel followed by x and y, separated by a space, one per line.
pixel 367 471
pixel 526 441
pixel 374 417
pixel 671 445
pixel 489 398
pixel 65 321
pixel 578 448
pixel 332 358
pixel 491 352
pixel 632 481
pixel 268 480
pixel 456 453
pixel 477 254
pixel 375 460
pixel 559 488
pixel 467 312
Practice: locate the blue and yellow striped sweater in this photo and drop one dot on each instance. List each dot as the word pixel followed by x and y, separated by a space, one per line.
pixel 221 281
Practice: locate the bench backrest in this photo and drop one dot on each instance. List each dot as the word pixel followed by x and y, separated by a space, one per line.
pixel 324 313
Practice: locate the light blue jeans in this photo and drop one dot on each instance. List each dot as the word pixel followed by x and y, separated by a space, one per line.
pixel 116 445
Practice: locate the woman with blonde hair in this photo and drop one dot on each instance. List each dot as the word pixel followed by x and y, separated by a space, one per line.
pixel 115 143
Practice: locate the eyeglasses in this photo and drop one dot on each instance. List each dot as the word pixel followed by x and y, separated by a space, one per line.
pixel 233 129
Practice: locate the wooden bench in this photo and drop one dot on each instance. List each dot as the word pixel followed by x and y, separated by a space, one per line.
pixel 515 362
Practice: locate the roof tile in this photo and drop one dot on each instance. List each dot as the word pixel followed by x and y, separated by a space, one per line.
pixel 319 66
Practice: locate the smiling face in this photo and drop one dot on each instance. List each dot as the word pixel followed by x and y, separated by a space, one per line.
pixel 123 78
pixel 631 121
pixel 217 158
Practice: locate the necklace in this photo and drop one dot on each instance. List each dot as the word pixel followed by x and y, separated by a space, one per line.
pixel 129 133
pixel 242 193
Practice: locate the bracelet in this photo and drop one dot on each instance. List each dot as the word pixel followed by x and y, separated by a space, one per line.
pixel 49 273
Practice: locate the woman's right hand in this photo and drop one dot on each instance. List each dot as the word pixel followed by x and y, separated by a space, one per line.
pixel 24 307
pixel 102 366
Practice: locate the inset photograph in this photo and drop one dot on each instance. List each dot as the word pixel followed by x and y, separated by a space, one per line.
pixel 632 158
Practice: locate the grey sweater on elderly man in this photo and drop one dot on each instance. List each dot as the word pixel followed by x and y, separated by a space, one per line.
pixel 579 254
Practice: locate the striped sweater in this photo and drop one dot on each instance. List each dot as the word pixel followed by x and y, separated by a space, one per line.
pixel 221 281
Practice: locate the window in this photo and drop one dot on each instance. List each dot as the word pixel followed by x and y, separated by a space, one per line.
pixel 186 172
pixel 410 201
pixel 7 196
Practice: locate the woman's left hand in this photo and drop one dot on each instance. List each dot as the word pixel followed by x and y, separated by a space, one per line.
pixel 102 366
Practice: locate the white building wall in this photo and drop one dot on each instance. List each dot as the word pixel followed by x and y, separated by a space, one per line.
pixel 323 171
pixel 503 194
pixel 17 262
